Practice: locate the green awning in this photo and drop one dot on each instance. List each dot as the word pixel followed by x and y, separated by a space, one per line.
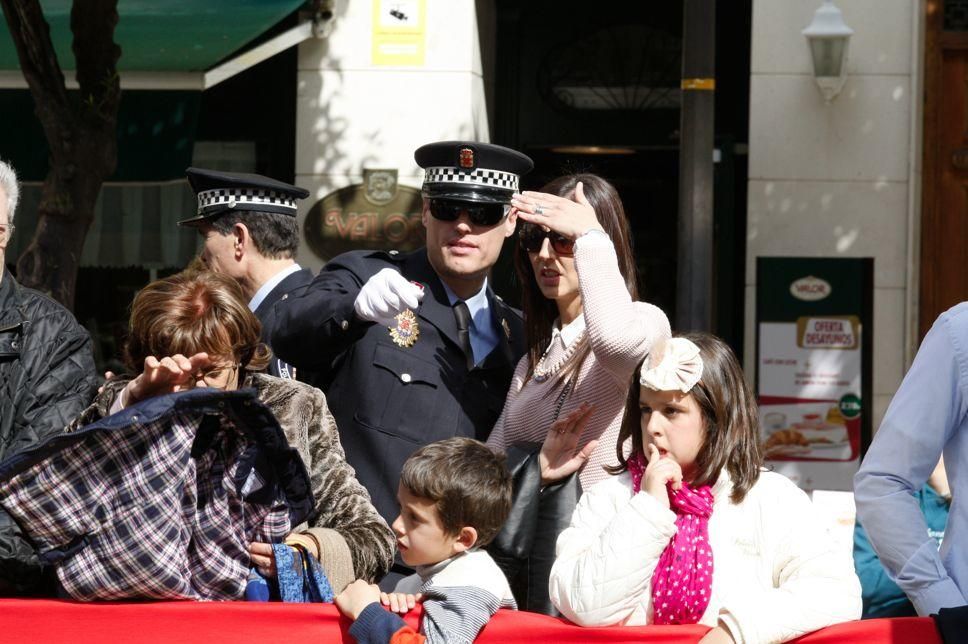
pixel 165 35
pixel 160 40
pixel 156 131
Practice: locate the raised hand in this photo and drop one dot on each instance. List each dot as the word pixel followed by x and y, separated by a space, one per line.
pixel 356 597
pixel 165 376
pixel 262 558
pixel 400 602
pixel 384 296
pixel 571 218
pixel 660 471
pixel 559 456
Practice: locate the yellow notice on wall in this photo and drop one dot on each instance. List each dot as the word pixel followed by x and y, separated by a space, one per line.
pixel 399 32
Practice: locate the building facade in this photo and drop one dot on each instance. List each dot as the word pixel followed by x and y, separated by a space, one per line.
pixel 877 172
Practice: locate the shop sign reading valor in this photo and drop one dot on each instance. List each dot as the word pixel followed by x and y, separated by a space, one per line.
pixel 376 214
pixel 810 289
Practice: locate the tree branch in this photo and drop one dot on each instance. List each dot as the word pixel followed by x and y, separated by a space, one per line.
pixel 81 133
pixel 93 23
pixel 38 61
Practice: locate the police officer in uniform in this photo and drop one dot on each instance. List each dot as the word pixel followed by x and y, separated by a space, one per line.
pixel 413 348
pixel 248 224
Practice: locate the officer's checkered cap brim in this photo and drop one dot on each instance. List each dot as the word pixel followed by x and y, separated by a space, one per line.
pixel 219 192
pixel 479 177
pixel 226 198
pixel 471 171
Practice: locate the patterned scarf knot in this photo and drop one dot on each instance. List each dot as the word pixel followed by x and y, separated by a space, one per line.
pixel 683 578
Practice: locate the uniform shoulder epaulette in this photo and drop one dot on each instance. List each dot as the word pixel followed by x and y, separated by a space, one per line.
pixel 385 255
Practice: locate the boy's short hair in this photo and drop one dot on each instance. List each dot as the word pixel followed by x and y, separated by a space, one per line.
pixel 469 483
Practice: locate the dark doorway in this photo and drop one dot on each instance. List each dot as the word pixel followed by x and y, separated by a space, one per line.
pixel 646 180
pixel 595 88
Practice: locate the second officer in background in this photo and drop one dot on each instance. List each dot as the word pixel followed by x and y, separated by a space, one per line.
pixel 248 226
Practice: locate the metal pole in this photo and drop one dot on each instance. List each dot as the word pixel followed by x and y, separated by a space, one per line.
pixel 694 305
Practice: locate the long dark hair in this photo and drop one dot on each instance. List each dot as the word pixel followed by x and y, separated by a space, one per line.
pixel 730 420
pixel 540 312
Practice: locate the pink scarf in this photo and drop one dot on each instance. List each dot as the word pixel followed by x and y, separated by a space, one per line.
pixel 683 579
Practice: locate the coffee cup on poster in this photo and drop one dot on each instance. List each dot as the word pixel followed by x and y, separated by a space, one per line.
pixel 774 420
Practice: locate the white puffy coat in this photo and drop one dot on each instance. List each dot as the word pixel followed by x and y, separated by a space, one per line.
pixel 776 573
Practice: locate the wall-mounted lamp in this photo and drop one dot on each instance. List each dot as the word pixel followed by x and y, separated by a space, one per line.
pixel 828 36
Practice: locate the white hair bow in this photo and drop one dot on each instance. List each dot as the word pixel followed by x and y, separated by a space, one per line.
pixel 673 365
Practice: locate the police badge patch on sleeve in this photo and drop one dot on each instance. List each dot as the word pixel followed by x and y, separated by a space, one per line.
pixel 407 331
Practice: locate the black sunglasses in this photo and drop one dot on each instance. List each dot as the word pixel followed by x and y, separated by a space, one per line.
pixel 531 237
pixel 480 214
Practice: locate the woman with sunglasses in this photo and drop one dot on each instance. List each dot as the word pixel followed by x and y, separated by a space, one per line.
pixel 194 329
pixel 586 333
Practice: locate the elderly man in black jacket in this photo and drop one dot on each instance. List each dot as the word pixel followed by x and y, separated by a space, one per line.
pixel 47 377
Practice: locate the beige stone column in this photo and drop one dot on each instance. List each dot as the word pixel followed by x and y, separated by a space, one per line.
pixel 353 113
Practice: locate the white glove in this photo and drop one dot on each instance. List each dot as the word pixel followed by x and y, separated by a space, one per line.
pixel 384 296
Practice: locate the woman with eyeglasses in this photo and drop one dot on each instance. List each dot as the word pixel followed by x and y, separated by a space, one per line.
pixel 586 333
pixel 194 330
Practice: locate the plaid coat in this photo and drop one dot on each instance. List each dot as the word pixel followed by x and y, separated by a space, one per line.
pixel 355 542
pixel 160 500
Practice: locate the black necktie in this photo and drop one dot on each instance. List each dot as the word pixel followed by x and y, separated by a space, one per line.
pixel 463 316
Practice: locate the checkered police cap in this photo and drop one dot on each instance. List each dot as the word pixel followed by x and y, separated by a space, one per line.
pixel 471 171
pixel 218 192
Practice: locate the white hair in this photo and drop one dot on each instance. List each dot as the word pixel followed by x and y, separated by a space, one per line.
pixel 8 183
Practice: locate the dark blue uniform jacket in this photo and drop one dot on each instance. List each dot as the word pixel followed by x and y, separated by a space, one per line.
pixel 266 314
pixel 389 400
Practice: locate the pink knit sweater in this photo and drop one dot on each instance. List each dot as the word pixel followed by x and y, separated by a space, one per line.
pixel 621 332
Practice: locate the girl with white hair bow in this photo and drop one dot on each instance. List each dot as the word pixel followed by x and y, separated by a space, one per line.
pixel 692 529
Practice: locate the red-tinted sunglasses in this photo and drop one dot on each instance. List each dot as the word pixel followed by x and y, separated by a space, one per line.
pixel 531 237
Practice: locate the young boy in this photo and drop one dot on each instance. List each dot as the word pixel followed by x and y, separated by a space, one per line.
pixel 454 496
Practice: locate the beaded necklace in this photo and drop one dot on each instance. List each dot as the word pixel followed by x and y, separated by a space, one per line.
pixel 542 372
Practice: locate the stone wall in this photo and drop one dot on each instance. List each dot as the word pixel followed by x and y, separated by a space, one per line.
pixel 840 179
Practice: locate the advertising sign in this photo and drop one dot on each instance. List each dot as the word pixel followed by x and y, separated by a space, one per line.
pixel 376 214
pixel 814 341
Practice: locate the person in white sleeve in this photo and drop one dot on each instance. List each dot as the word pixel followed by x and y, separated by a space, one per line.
pixel 692 529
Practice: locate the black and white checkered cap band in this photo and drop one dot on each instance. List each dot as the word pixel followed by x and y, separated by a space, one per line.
pixel 232 197
pixel 476 177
